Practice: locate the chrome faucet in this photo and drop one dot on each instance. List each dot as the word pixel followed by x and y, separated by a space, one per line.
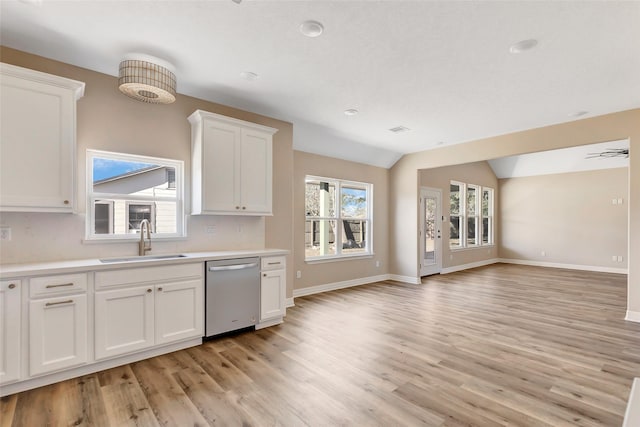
pixel 144 245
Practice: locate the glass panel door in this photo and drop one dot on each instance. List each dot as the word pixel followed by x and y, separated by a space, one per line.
pixel 430 231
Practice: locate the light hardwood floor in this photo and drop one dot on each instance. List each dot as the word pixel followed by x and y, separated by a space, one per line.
pixel 499 345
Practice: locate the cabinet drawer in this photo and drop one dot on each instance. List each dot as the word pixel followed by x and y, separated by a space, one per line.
pixel 273 263
pixel 57 285
pixel 147 275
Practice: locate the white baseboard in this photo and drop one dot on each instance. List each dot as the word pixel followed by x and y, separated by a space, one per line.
pixel 405 279
pixel 461 267
pixel 633 316
pixel 632 415
pixel 338 285
pixel 289 302
pixel 567 266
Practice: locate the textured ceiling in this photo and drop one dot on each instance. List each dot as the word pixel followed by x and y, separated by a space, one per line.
pixel 440 68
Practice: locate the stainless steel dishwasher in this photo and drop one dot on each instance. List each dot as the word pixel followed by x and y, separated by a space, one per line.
pixel 232 295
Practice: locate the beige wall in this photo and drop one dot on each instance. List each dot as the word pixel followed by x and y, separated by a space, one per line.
pixel 568 216
pixel 337 271
pixel 404 181
pixel 108 120
pixel 479 173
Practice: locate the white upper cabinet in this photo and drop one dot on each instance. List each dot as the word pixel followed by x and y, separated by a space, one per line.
pixel 37 140
pixel 231 166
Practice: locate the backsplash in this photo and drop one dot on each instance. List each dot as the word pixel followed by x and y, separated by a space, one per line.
pixel 44 237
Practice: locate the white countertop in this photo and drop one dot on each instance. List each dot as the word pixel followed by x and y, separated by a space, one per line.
pixel 9 271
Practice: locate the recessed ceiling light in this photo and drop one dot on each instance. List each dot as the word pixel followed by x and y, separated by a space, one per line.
pixel 523 45
pixel 399 129
pixel 351 112
pixel 249 75
pixel 311 28
pixel 579 114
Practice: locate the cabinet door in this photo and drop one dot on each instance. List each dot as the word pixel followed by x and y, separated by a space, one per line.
pixel 37 146
pixel 179 309
pixel 123 321
pixel 10 322
pixel 255 172
pixel 57 333
pixel 220 167
pixel 272 294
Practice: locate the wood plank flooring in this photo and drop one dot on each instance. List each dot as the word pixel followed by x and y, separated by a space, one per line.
pixel 494 346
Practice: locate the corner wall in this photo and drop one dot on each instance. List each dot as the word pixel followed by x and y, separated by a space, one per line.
pixel 344 270
pixel 479 173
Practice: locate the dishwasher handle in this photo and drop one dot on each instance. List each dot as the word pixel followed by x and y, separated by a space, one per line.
pixel 233 267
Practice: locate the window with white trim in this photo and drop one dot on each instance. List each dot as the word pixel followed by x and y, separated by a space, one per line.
pixel 124 189
pixel 470 215
pixel 338 218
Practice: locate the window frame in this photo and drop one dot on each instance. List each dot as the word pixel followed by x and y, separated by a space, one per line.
pixel 465 215
pixel 91 197
pixel 462 218
pixel 340 219
pixel 489 216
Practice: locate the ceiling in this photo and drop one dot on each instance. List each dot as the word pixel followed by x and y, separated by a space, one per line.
pixel 564 160
pixel 443 69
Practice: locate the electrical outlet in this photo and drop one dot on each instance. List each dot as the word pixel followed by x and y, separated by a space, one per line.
pixel 210 229
pixel 620 258
pixel 377 263
pixel 5 233
pixel 543 253
pixel 298 274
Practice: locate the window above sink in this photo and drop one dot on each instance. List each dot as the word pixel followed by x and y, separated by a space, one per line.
pixel 124 189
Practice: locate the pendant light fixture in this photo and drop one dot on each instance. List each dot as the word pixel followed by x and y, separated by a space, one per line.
pixel 147 79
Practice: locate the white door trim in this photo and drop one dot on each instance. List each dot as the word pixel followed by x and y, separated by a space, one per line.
pixel 436 268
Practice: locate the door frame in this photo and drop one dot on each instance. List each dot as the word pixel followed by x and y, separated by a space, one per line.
pixel 437 267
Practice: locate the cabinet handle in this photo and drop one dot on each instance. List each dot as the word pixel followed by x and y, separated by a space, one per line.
pixel 160 289
pixel 59 286
pixel 149 291
pixel 273 263
pixel 49 304
pixel 66 202
pixel 12 286
pixel 237 207
pixel 264 274
pixel 244 207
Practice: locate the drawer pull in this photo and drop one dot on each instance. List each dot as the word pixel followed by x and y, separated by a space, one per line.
pixel 149 290
pixel 12 286
pixel 49 304
pixel 160 289
pixel 273 263
pixel 59 286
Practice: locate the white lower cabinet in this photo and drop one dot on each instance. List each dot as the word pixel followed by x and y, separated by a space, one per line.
pixel 272 288
pixel 10 330
pixel 179 311
pixel 138 316
pixel 123 321
pixel 57 333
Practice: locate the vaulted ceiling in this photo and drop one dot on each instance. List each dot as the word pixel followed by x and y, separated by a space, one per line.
pixel 442 69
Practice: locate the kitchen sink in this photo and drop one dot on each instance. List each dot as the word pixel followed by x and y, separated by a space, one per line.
pixel 142 258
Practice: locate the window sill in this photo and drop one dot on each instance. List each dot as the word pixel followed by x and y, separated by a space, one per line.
pixel 472 248
pixel 338 258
